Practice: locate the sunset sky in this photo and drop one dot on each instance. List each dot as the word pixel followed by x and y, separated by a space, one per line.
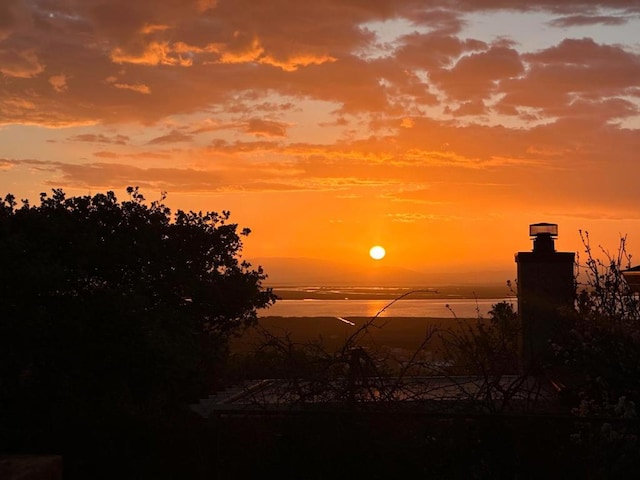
pixel 437 129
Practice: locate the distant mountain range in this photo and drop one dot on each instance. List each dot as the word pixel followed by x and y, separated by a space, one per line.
pixel 286 271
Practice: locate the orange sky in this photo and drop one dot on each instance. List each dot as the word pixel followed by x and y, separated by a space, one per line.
pixel 438 129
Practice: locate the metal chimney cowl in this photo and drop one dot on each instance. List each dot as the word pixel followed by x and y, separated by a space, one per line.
pixel 543 235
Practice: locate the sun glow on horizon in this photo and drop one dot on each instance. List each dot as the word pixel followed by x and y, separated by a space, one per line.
pixel 377 252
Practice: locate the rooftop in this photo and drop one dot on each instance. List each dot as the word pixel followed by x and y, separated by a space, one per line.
pixel 432 393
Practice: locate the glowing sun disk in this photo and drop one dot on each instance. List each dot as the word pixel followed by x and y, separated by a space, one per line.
pixel 377 252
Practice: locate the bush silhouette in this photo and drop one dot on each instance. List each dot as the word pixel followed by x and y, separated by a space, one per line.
pixel 112 311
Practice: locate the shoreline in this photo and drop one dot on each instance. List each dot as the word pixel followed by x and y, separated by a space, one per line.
pixel 391 332
pixel 446 292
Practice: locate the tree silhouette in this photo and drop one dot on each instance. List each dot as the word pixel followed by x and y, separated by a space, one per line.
pixel 114 308
pixel 603 343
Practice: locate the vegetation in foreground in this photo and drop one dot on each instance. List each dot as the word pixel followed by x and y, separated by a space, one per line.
pixel 115 315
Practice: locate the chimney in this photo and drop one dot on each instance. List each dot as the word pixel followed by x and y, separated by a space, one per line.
pixel 546 289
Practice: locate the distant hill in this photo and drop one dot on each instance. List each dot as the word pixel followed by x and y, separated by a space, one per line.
pixel 286 271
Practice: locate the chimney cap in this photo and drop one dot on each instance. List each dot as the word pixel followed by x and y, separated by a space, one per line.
pixel 536 229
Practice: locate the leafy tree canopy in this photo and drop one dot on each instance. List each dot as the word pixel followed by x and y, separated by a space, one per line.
pixel 120 305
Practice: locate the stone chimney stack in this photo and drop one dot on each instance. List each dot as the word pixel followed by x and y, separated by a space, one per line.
pixel 546 288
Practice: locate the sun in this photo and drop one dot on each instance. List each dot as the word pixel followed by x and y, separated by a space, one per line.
pixel 377 252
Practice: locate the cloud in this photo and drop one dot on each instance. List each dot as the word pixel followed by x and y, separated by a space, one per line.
pixel 154 53
pixel 266 128
pixel 407 123
pixel 6 164
pixel 475 107
pixel 174 136
pixel 434 50
pixel 216 40
pixel 20 64
pixel 293 62
pixel 204 5
pixel 408 217
pixel 575 69
pixel 207 55
pixel 13 15
pixel 243 148
pixel 476 76
pixel 143 155
pixel 117 175
pixel 59 83
pixel 629 216
pixel 151 28
pixel 242 48
pixel 139 88
pixel 100 138
pixel 580 20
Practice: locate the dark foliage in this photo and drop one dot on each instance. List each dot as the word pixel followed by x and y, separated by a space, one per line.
pixel 488 348
pixel 112 310
pixel 382 445
pixel 603 344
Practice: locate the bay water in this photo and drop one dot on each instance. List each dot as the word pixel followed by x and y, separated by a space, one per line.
pixel 424 307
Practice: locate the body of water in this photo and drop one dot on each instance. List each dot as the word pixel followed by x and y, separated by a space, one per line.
pixel 433 308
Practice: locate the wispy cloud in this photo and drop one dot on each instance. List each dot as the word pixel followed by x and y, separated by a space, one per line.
pixel 172 137
pixel 579 20
pixel 100 138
